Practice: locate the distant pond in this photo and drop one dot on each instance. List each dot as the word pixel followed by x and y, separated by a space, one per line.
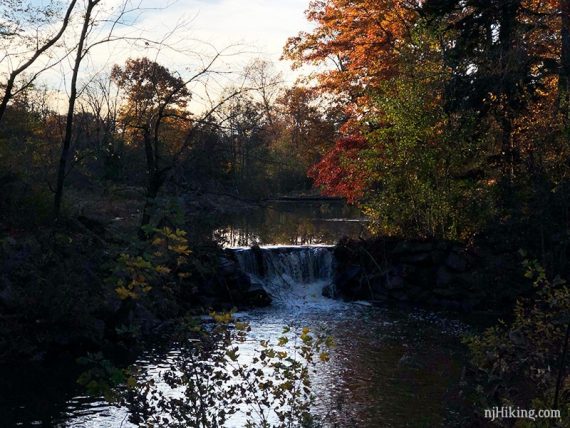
pixel 291 223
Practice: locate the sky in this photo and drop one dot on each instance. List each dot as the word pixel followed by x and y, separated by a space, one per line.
pixel 263 23
pixel 242 29
pixel 260 27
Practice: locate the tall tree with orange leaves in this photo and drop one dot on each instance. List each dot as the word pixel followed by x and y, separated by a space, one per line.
pixel 357 43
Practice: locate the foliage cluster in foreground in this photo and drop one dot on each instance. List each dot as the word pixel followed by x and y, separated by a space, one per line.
pixel 211 381
pixel 163 262
pixel 523 361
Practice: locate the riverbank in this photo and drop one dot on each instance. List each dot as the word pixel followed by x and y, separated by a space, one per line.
pixel 60 283
pixel 58 290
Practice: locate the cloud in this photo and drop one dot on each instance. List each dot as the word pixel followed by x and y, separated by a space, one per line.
pixel 255 28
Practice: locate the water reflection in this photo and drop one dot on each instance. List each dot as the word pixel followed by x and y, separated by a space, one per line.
pixel 291 223
pixel 390 368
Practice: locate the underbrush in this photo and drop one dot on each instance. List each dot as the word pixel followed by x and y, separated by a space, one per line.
pixel 523 363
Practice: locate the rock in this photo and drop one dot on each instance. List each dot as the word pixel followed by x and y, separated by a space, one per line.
pixel 209 288
pixel 227 266
pixel 442 245
pixel 447 292
pixel 257 296
pixel 394 279
pixel 378 301
pixel 438 257
pixel 346 280
pixel 469 304
pixel 8 295
pixel 433 301
pixel 364 303
pixel 329 291
pixel 417 258
pixel 373 289
pixel 456 262
pixel 38 357
pixel 414 293
pixel 443 277
pixel 399 295
pixel 423 277
pixel 450 304
pixel 407 247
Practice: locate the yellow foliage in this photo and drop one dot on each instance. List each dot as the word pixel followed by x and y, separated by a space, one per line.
pixel 165 263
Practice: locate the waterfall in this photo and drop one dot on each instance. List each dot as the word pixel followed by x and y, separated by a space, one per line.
pixel 293 276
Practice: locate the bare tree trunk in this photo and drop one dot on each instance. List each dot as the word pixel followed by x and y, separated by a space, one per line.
pixel 151 187
pixel 7 94
pixel 62 169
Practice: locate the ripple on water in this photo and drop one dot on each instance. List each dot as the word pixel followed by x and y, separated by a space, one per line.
pixel 390 367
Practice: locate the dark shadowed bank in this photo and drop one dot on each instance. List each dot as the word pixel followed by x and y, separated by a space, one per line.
pixel 59 285
pixel 433 273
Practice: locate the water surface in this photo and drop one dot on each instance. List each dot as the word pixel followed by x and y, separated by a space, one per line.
pixel 389 368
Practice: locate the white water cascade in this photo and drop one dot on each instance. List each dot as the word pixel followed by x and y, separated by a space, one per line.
pixel 294 276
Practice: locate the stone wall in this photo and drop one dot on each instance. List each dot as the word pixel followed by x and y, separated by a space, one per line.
pixel 435 273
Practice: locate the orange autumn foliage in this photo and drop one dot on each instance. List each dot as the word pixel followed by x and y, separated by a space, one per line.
pixel 356 41
pixel 356 45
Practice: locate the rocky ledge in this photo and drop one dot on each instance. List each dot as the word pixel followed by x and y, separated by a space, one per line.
pixel 443 274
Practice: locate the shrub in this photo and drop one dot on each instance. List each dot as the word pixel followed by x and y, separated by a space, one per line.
pixel 520 362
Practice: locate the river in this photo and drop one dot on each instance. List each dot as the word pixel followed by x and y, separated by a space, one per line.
pixel 391 366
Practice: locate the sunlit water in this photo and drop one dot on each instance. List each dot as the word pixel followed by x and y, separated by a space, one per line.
pixel 391 366
pixel 388 369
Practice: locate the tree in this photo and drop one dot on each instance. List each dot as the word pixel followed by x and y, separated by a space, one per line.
pixel 309 126
pixel 155 100
pixel 312 122
pixel 408 162
pixel 502 56
pixel 156 106
pixel 80 53
pixel 564 73
pixel 340 172
pixel 266 82
pixel 358 43
pixel 10 29
pixel 84 46
pixel 101 100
